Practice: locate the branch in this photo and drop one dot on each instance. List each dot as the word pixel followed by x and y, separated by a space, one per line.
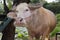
pixel 6 9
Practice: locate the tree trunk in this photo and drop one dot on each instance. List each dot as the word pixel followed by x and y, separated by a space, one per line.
pixel 9 32
pixel 16 2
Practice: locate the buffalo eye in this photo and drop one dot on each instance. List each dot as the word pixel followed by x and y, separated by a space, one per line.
pixel 26 10
pixel 21 19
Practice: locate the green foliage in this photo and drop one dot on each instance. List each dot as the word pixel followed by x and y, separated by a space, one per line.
pixel 22 33
pixel 55 7
pixel 21 36
pixel 9 3
pixel 57 29
pixel 58 1
pixel 1 11
pixel 58 18
pixel 35 1
pixel 1 8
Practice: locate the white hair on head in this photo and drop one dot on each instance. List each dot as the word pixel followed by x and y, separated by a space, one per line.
pixel 21 6
pixel 23 11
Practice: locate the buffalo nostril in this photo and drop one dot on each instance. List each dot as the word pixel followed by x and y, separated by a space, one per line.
pixel 21 19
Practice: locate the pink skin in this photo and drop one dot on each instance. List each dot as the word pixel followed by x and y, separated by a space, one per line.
pixel 13 16
pixel 18 22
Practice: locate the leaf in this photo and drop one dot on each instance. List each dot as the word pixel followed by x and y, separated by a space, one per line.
pixel 20 35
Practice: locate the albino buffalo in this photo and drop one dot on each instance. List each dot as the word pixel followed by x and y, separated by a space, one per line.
pixel 39 22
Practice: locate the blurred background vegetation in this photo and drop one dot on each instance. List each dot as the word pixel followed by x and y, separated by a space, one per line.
pixel 22 33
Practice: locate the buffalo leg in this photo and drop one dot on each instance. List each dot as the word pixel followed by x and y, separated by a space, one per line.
pixel 30 38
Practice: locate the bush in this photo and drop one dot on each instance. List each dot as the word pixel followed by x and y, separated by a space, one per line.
pixel 35 1
pixel 57 29
pixel 58 18
pixel 1 8
pixel 55 7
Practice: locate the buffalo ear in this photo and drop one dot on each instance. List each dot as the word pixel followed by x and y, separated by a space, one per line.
pixel 34 6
